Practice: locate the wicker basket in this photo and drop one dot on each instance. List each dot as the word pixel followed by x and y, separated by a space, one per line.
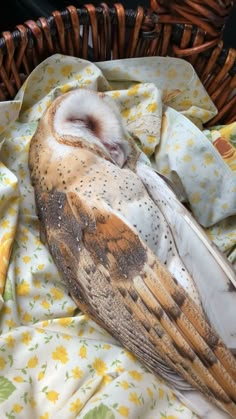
pixel 190 29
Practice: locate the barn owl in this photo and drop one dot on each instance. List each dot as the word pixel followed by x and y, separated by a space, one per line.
pixel 129 252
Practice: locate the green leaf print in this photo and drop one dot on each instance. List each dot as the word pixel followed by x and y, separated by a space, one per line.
pixel 6 388
pixel 100 412
pixel 8 292
pixel 232 139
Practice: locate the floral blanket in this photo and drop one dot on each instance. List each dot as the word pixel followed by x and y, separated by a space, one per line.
pixel 54 361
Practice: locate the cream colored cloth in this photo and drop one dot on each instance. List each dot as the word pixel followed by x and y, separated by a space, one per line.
pixel 54 361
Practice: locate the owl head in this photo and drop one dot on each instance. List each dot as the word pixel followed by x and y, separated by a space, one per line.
pixel 93 118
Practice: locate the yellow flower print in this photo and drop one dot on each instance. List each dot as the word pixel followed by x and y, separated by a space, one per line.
pixel 51 83
pixel 186 102
pixel 45 304
pixel 77 76
pixel 125 113
pixel 195 198
pixel 35 96
pixel 106 379
pixel 48 103
pixel 89 70
pixel 148 151
pixel 173 396
pixel 136 375
pixel 39 330
pixel 149 392
pixel 83 352
pixel 133 397
pixel 161 393
pixel 193 168
pixel 165 170
pixel 41 375
pixel 2 363
pixel 32 402
pixel 76 406
pixel 205 115
pixel 56 293
pixel 27 317
pixel 33 362
pixel 146 94
pixel 190 142
pixel 10 341
pixel 37 283
pixel 6 310
pixel 17 148
pixel 4 224
pixel 12 211
pixel 187 158
pixel 65 88
pixel 41 266
pixel 171 74
pixel 26 259
pixel 208 159
pixel 17 408
pixel 151 139
pixel 66 336
pixel 205 99
pixel 5 251
pixel 17 270
pixel 60 354
pixel 177 147
pixel 22 173
pixel 86 82
pixel 123 411
pixel 24 239
pixel 152 107
pixel 50 70
pixel 81 332
pixel 77 372
pixel 99 366
pixel 70 310
pixel 225 206
pixel 18 379
pixel 23 288
pixel 45 416
pixel 26 338
pixel 11 182
pixel 124 384
pixel 132 91
pixel 106 346
pixel 52 396
pixel 119 368
pixel 115 94
pixel 131 356
pixel 10 323
pixel 65 321
pixel 170 417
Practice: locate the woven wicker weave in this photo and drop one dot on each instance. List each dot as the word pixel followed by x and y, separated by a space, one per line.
pixel 190 29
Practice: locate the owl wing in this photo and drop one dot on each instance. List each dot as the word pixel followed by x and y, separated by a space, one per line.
pixel 115 278
pixel 212 273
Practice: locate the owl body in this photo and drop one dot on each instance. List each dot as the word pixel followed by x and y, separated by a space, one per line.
pixel 101 182
pixel 116 251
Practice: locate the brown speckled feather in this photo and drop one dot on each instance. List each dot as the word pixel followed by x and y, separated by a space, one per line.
pixel 110 270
